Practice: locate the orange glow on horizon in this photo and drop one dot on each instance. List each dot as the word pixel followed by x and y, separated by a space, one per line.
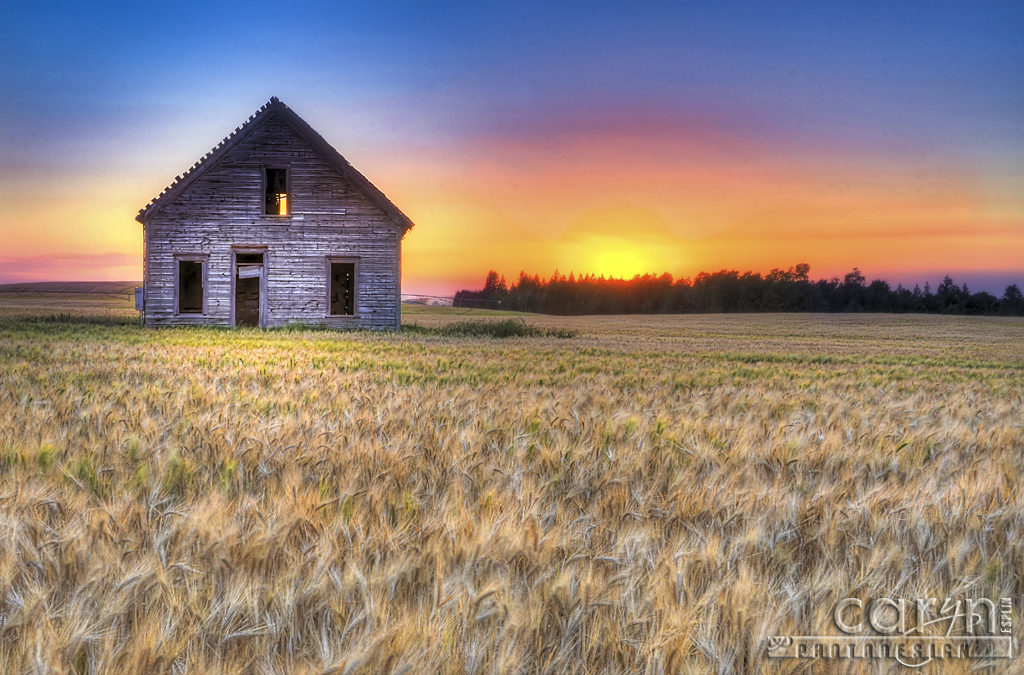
pixel 657 204
pixel 612 206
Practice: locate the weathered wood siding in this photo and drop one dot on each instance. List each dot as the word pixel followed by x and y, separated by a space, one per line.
pixel 222 210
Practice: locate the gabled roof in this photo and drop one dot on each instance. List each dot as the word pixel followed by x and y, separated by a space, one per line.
pixel 274 108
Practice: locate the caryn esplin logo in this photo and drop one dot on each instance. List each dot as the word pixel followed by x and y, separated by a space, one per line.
pixel 911 632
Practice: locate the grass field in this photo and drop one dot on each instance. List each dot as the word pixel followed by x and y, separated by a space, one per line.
pixel 656 494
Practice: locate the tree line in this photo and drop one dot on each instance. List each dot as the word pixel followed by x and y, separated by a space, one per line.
pixel 789 290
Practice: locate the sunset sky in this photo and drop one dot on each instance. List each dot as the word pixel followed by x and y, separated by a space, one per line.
pixel 613 138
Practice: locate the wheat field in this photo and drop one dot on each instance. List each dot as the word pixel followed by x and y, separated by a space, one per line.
pixel 654 495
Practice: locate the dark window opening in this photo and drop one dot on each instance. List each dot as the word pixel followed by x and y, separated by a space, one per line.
pixel 190 287
pixel 276 197
pixel 343 288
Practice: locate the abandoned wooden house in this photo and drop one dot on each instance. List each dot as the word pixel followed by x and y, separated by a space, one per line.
pixel 271 227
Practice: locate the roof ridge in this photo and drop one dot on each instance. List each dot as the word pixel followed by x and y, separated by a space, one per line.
pixel 273 102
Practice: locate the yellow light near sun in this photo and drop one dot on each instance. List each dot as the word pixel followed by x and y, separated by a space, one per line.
pixel 620 264
pixel 620 258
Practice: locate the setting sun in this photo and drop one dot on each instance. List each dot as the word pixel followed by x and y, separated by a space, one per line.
pixel 616 257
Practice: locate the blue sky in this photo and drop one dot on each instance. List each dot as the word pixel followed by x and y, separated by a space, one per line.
pixel 104 103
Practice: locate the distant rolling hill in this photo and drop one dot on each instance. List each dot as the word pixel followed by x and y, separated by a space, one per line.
pixel 104 287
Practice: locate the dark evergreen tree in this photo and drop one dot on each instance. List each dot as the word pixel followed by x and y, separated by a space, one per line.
pixel 781 290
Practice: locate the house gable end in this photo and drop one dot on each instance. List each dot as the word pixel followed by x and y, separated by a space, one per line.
pixel 231 192
pixel 275 110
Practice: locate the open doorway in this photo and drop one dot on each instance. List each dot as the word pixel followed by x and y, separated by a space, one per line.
pixel 249 289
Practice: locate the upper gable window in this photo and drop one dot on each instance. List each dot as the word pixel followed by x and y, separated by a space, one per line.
pixel 275 201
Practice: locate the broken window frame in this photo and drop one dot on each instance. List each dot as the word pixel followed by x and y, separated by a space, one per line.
pixel 203 260
pixel 343 260
pixel 267 192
